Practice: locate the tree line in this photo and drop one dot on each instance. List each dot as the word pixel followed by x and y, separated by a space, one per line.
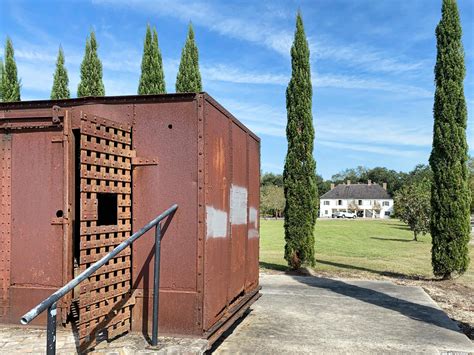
pixel 410 190
pixel 271 184
pixel 152 78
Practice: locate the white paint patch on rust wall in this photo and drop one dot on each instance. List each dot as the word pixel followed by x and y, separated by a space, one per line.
pixel 253 214
pixel 238 205
pixel 216 223
pixel 253 223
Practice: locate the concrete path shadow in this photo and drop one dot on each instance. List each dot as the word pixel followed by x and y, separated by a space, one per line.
pixel 312 315
pixel 411 306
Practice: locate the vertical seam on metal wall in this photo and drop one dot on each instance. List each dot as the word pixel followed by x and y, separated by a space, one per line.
pixel 230 171
pixel 67 159
pixel 248 214
pixel 132 204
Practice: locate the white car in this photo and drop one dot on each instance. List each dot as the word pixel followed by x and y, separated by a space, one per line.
pixel 344 215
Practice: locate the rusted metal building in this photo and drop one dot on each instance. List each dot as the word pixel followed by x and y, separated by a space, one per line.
pixel 79 176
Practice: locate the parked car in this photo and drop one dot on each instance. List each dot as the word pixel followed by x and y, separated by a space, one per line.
pixel 344 215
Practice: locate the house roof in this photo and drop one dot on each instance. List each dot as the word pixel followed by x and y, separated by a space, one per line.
pixel 357 191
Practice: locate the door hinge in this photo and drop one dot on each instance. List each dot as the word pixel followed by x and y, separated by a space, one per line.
pixel 136 161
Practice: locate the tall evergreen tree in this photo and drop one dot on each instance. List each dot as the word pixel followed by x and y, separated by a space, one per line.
pixel 152 79
pixel 159 72
pixel 146 78
pixel 60 88
pixel 10 83
pixel 91 83
pixel 450 198
pixel 189 77
pixel 1 80
pixel 299 176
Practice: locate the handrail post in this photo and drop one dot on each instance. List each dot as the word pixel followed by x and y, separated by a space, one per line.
pixel 50 303
pixel 51 330
pixel 156 285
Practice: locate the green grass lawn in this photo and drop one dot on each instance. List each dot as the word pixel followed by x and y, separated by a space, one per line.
pixel 358 246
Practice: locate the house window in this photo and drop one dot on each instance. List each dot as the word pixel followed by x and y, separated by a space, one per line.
pixel 326 203
pixel 387 213
pixel 386 203
pixel 339 202
pixel 325 211
pixel 360 202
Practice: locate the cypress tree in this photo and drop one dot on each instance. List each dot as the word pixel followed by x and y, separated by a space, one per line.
pixel 1 80
pixel 146 78
pixel 91 83
pixel 10 82
pixel 450 198
pixel 189 77
pixel 299 176
pixel 60 88
pixel 152 79
pixel 159 73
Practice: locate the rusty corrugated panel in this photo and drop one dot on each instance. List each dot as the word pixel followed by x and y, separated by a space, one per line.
pixel 5 220
pixel 37 228
pixel 105 172
pixel 217 242
pixel 253 233
pixel 238 213
pixel 168 132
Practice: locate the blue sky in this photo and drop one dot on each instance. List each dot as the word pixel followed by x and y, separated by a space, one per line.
pixel 372 65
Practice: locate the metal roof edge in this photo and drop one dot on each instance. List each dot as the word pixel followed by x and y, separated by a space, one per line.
pixel 97 100
pixel 221 108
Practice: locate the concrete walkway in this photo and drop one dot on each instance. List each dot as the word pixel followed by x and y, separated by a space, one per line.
pixel 21 340
pixel 299 314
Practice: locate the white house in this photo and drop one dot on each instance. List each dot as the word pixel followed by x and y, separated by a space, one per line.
pixel 367 200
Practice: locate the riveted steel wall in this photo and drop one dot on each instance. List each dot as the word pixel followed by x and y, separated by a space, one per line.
pixel 238 212
pixel 253 232
pixel 187 149
pixel 35 210
pixel 5 220
pixel 217 204
pixel 232 199
pixel 167 132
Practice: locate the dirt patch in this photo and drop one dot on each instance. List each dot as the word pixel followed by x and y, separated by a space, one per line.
pixel 455 299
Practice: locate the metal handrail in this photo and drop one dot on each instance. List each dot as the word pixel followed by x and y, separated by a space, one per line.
pixel 50 302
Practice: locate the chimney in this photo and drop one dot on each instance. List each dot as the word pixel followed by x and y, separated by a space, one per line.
pixel 332 186
pixel 348 182
pixel 384 185
pixel 369 182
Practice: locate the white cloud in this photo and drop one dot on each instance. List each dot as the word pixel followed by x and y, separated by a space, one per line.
pixel 37 77
pixel 223 72
pixel 268 33
pixel 356 133
pixel 367 83
pixel 260 118
pixel 226 73
pixel 372 129
pixel 373 149
pixel 362 56
pixel 34 55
